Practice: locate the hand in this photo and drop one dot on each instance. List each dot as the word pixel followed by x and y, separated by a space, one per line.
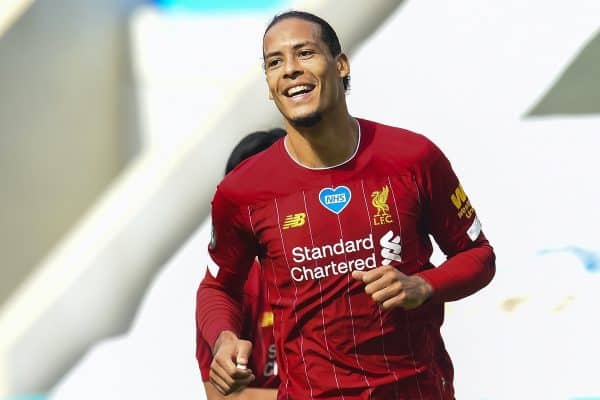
pixel 391 288
pixel 228 370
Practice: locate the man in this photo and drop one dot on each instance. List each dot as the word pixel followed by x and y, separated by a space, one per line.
pixel 339 214
pixel 258 317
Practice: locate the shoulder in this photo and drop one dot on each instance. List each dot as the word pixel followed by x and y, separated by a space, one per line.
pixel 401 145
pixel 249 181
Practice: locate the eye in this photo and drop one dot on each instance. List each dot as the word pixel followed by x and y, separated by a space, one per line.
pixel 273 62
pixel 305 53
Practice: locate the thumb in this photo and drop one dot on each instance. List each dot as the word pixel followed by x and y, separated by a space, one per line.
pixel 243 352
pixel 358 275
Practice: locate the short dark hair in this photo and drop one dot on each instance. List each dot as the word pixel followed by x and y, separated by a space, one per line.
pixel 328 35
pixel 252 144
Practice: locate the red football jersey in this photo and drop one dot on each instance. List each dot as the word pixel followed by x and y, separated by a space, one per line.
pixel 311 227
pixel 258 328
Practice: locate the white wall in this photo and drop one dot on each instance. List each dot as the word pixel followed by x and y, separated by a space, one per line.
pixel 64 131
pixel 466 74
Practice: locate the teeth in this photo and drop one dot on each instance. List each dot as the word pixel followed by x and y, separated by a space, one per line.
pixel 297 89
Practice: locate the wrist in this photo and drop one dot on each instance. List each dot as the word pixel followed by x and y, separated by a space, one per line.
pixel 223 338
pixel 425 288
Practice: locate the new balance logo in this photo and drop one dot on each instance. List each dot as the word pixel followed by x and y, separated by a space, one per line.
pixel 294 220
pixel 390 248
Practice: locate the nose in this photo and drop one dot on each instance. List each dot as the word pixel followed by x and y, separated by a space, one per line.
pixel 292 68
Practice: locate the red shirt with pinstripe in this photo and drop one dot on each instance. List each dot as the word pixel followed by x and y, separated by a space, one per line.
pixel 311 227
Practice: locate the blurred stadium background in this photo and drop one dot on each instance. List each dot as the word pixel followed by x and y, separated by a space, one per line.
pixel 117 117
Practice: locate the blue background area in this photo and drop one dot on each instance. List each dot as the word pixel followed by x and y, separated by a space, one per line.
pixel 585 398
pixel 589 258
pixel 219 5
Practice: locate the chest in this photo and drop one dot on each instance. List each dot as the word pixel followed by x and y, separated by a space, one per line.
pixel 332 227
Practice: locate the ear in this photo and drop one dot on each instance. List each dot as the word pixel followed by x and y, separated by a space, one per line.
pixel 267 82
pixel 268 88
pixel 343 65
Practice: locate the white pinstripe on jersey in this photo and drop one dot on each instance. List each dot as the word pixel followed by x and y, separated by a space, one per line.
pixel 412 353
pixel 312 241
pixel 418 258
pixel 295 298
pixel 348 277
pixel 284 361
pixel 387 364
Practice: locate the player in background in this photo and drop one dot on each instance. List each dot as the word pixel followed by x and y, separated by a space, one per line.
pixel 340 214
pixel 258 317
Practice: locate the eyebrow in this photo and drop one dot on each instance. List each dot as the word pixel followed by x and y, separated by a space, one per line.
pixel 295 47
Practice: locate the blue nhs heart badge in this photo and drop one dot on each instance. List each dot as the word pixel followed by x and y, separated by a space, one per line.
pixel 335 200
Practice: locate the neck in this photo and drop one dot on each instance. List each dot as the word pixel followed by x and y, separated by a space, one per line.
pixel 330 142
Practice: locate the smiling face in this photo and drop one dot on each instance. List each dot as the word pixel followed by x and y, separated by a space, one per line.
pixel 304 78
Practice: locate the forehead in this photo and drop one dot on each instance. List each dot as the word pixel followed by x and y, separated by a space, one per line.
pixel 290 31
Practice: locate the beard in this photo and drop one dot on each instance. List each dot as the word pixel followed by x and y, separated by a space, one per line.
pixel 307 121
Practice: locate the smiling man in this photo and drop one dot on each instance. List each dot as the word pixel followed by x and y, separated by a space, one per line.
pixel 339 214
